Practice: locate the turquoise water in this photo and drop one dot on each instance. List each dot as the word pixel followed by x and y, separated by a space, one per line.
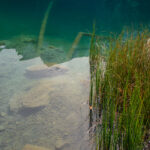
pixel 67 18
pixel 44 92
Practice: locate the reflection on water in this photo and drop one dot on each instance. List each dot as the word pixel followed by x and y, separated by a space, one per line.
pixel 53 51
pixel 48 111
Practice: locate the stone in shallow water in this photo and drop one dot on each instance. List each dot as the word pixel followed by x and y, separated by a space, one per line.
pixel 41 71
pixel 36 68
pixel 35 97
pixel 33 147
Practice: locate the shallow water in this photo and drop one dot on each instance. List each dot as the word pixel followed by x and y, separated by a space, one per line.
pixel 63 121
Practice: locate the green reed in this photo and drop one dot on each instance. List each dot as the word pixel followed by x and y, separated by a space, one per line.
pixel 121 93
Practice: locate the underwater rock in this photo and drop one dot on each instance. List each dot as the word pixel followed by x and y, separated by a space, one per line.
pixel 34 147
pixel 32 98
pixel 36 68
pixel 41 71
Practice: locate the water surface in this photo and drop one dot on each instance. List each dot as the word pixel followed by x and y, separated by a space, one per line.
pixel 44 94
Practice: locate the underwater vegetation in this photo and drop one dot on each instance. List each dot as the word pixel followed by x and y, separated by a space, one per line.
pixel 120 93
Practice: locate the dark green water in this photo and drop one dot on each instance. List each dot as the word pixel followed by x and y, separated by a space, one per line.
pixel 48 106
pixel 71 15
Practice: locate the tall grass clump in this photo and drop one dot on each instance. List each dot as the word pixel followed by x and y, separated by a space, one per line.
pixel 122 91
